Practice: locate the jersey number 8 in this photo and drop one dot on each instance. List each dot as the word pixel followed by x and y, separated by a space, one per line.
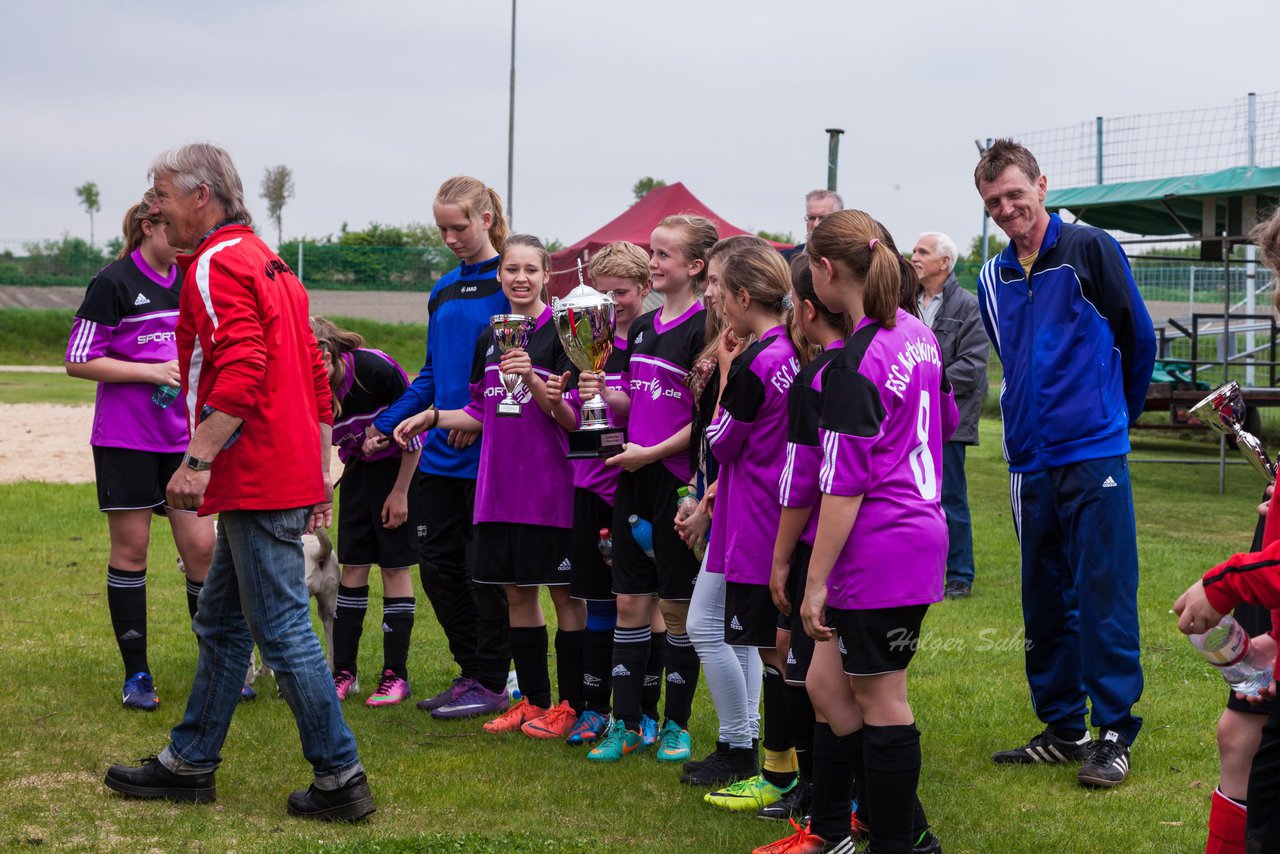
pixel 920 458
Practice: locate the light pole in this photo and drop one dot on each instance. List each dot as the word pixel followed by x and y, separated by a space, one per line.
pixel 511 121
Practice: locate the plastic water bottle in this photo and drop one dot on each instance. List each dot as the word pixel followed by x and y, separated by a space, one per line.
pixel 1226 646
pixel 642 533
pixel 513 686
pixel 686 506
pixel 606 546
pixel 165 395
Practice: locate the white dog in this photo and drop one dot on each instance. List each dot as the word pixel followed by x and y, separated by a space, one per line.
pixel 322 576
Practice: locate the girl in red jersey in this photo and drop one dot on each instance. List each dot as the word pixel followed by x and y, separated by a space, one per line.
pixel 524 493
pixel 123 338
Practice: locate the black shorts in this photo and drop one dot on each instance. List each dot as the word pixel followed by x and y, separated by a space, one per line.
pixel 446 506
pixel 801 651
pixel 592 578
pixel 750 617
pixel 877 640
pixel 650 493
pixel 1256 620
pixel 519 554
pixel 362 538
pixel 133 480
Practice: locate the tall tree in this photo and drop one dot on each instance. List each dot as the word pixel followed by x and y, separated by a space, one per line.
pixel 644 185
pixel 88 193
pixel 277 188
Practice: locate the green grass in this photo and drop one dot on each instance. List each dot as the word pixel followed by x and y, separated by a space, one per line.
pixel 447 787
pixel 32 387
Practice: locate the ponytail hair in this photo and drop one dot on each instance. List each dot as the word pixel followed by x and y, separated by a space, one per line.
pixel 802 284
pixel 473 197
pixel 866 250
pixel 334 340
pixel 697 235
pixel 751 265
pixel 134 217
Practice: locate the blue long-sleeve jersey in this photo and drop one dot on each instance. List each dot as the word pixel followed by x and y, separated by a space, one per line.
pixel 459 309
pixel 1076 344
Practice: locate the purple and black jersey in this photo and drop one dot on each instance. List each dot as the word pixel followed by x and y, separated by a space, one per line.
pixel 798 483
pixel 748 437
pixel 524 474
pixel 130 313
pixel 885 414
pixel 373 381
pixel 594 475
pixel 661 353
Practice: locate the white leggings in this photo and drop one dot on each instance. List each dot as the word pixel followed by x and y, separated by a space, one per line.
pixel 733 674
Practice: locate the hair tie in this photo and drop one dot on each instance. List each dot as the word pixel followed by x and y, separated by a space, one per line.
pixel 872 244
pixel 787 302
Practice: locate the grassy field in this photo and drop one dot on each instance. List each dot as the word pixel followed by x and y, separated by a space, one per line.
pixel 447 787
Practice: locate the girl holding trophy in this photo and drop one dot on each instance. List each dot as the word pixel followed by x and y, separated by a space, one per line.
pixel 655 463
pixel 524 491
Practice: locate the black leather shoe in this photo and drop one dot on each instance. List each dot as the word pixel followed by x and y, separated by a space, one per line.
pixel 352 802
pixel 153 780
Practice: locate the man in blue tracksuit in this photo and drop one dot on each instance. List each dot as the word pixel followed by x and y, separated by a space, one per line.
pixel 1066 319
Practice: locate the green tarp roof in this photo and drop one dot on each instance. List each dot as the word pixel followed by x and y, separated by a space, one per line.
pixel 1144 207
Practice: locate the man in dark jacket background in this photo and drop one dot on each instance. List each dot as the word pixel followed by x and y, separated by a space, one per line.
pixel 952 313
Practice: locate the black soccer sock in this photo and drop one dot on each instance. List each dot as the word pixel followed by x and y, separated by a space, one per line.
pixel 653 675
pixel 857 752
pixel 597 656
pixel 1069 733
pixel 919 821
pixel 833 769
pixel 127 602
pixel 529 650
pixel 348 626
pixel 682 678
pixel 892 759
pixel 630 652
pixel 569 667
pixel 397 630
pixel 800 714
pixel 779 747
pixel 193 596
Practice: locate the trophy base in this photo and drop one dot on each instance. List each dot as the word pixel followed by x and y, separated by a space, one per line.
pixel 596 444
pixel 509 410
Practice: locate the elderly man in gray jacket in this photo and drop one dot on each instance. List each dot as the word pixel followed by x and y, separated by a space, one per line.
pixel 952 313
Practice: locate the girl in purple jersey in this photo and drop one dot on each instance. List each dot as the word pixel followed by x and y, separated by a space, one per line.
pixel 375 524
pixel 655 463
pixel 524 496
pixel 747 435
pixel 123 338
pixel 880 549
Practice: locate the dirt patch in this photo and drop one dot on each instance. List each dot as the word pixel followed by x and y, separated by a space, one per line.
pixel 50 443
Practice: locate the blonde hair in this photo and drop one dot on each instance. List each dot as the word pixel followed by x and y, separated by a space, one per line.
pixel 473 197
pixel 866 250
pixel 198 163
pixel 750 265
pixel 621 260
pixel 697 235
pixel 134 217
pixel 334 340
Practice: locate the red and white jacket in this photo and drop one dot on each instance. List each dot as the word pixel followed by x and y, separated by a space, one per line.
pixel 245 348
pixel 1251 577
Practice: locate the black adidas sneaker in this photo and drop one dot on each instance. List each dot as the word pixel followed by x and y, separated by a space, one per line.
pixel 1109 764
pixel 1046 748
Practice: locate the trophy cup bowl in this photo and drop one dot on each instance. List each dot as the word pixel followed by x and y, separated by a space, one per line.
pixel 586 320
pixel 511 332
pixel 1223 411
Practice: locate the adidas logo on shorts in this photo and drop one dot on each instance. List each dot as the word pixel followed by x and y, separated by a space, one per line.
pixel 651 679
pixel 565 566
pixel 591 679
pixel 791 656
pixel 1109 482
pixel 734 624
pixel 142 300
pixel 840 643
pixel 675 679
pixel 621 670
pixel 386 630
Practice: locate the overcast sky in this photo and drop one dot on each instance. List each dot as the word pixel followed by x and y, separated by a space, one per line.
pixel 372 105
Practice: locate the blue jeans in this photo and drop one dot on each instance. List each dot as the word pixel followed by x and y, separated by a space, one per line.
pixel 955 504
pixel 256 592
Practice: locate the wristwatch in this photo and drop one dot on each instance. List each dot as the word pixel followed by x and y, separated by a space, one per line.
pixel 195 463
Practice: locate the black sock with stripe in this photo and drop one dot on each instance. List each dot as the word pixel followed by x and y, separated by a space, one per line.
pixel 398 614
pixel 127 602
pixel 348 626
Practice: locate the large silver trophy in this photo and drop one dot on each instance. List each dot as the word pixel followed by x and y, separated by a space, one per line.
pixel 1223 411
pixel 586 320
pixel 511 332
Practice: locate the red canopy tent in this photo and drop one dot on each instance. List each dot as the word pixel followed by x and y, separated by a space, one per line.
pixel 635 224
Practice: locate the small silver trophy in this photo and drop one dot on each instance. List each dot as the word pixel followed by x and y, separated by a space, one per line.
pixel 586 320
pixel 1223 411
pixel 511 332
